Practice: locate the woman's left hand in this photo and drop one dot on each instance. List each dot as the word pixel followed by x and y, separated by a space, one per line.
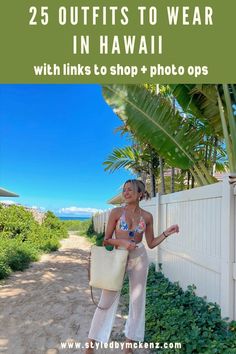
pixel 172 229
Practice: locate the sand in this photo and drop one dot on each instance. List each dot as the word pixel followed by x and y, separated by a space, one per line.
pixel 49 303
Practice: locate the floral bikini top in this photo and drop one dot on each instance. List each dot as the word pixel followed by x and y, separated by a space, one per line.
pixel 122 224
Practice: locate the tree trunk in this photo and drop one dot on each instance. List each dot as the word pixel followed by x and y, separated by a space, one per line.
pixel 214 156
pixel 192 184
pixel 182 178
pixel 143 176
pixel 153 185
pixel 152 181
pixel 172 180
pixel 233 88
pixel 188 176
pixel 206 153
pixel 163 188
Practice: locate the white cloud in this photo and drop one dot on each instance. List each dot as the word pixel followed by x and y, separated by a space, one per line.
pixel 73 210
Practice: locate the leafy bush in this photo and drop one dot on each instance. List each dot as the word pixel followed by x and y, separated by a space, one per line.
pixel 51 222
pixel 90 230
pixel 15 221
pixel 5 270
pixel 86 228
pixel 18 254
pixel 174 315
pixel 44 239
pixel 22 239
pixel 96 237
pixel 78 225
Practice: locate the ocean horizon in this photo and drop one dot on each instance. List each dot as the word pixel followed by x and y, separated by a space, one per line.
pixel 82 218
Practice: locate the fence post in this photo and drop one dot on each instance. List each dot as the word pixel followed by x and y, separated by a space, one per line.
pixel 227 249
pixel 101 222
pixel 157 227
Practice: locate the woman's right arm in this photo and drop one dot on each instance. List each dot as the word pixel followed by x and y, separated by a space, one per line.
pixel 110 228
pixel 113 217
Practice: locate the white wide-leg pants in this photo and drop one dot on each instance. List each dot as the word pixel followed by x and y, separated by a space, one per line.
pixel 103 320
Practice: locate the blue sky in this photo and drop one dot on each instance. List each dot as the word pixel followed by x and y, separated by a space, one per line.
pixel 54 139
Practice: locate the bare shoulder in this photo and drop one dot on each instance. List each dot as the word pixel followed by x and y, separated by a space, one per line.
pixel 116 212
pixel 147 216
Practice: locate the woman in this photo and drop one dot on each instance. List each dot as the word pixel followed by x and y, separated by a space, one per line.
pixel 129 223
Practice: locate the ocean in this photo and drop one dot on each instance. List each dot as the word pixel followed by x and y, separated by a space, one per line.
pixel 82 218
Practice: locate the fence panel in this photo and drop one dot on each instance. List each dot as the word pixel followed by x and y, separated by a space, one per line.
pixel 151 206
pixel 204 251
pixel 193 255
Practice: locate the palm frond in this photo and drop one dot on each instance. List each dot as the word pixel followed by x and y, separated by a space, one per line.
pixel 201 101
pixel 128 158
pixel 153 119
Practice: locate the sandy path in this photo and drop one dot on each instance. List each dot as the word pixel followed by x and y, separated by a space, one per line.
pixel 50 303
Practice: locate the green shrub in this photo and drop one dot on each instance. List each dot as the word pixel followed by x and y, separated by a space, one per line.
pixel 51 222
pixel 15 221
pixel 174 315
pixel 97 237
pixel 90 230
pixel 72 225
pixel 5 270
pixel 80 226
pixel 20 255
pixel 15 255
pixel 86 228
pixel 22 239
pixel 44 239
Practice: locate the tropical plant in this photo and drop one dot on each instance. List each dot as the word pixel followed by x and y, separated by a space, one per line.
pixel 154 120
pixel 128 157
pixel 140 159
pixel 228 122
pixel 146 156
pixel 213 106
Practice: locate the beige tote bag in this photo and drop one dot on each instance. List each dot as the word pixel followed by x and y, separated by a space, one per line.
pixel 107 268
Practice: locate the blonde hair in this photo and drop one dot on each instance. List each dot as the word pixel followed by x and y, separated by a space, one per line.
pixel 138 186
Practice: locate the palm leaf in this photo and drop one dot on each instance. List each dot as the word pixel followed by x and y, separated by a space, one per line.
pixel 232 125
pixel 154 120
pixel 128 158
pixel 200 101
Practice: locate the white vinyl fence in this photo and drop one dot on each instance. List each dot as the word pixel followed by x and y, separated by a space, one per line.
pixel 204 251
